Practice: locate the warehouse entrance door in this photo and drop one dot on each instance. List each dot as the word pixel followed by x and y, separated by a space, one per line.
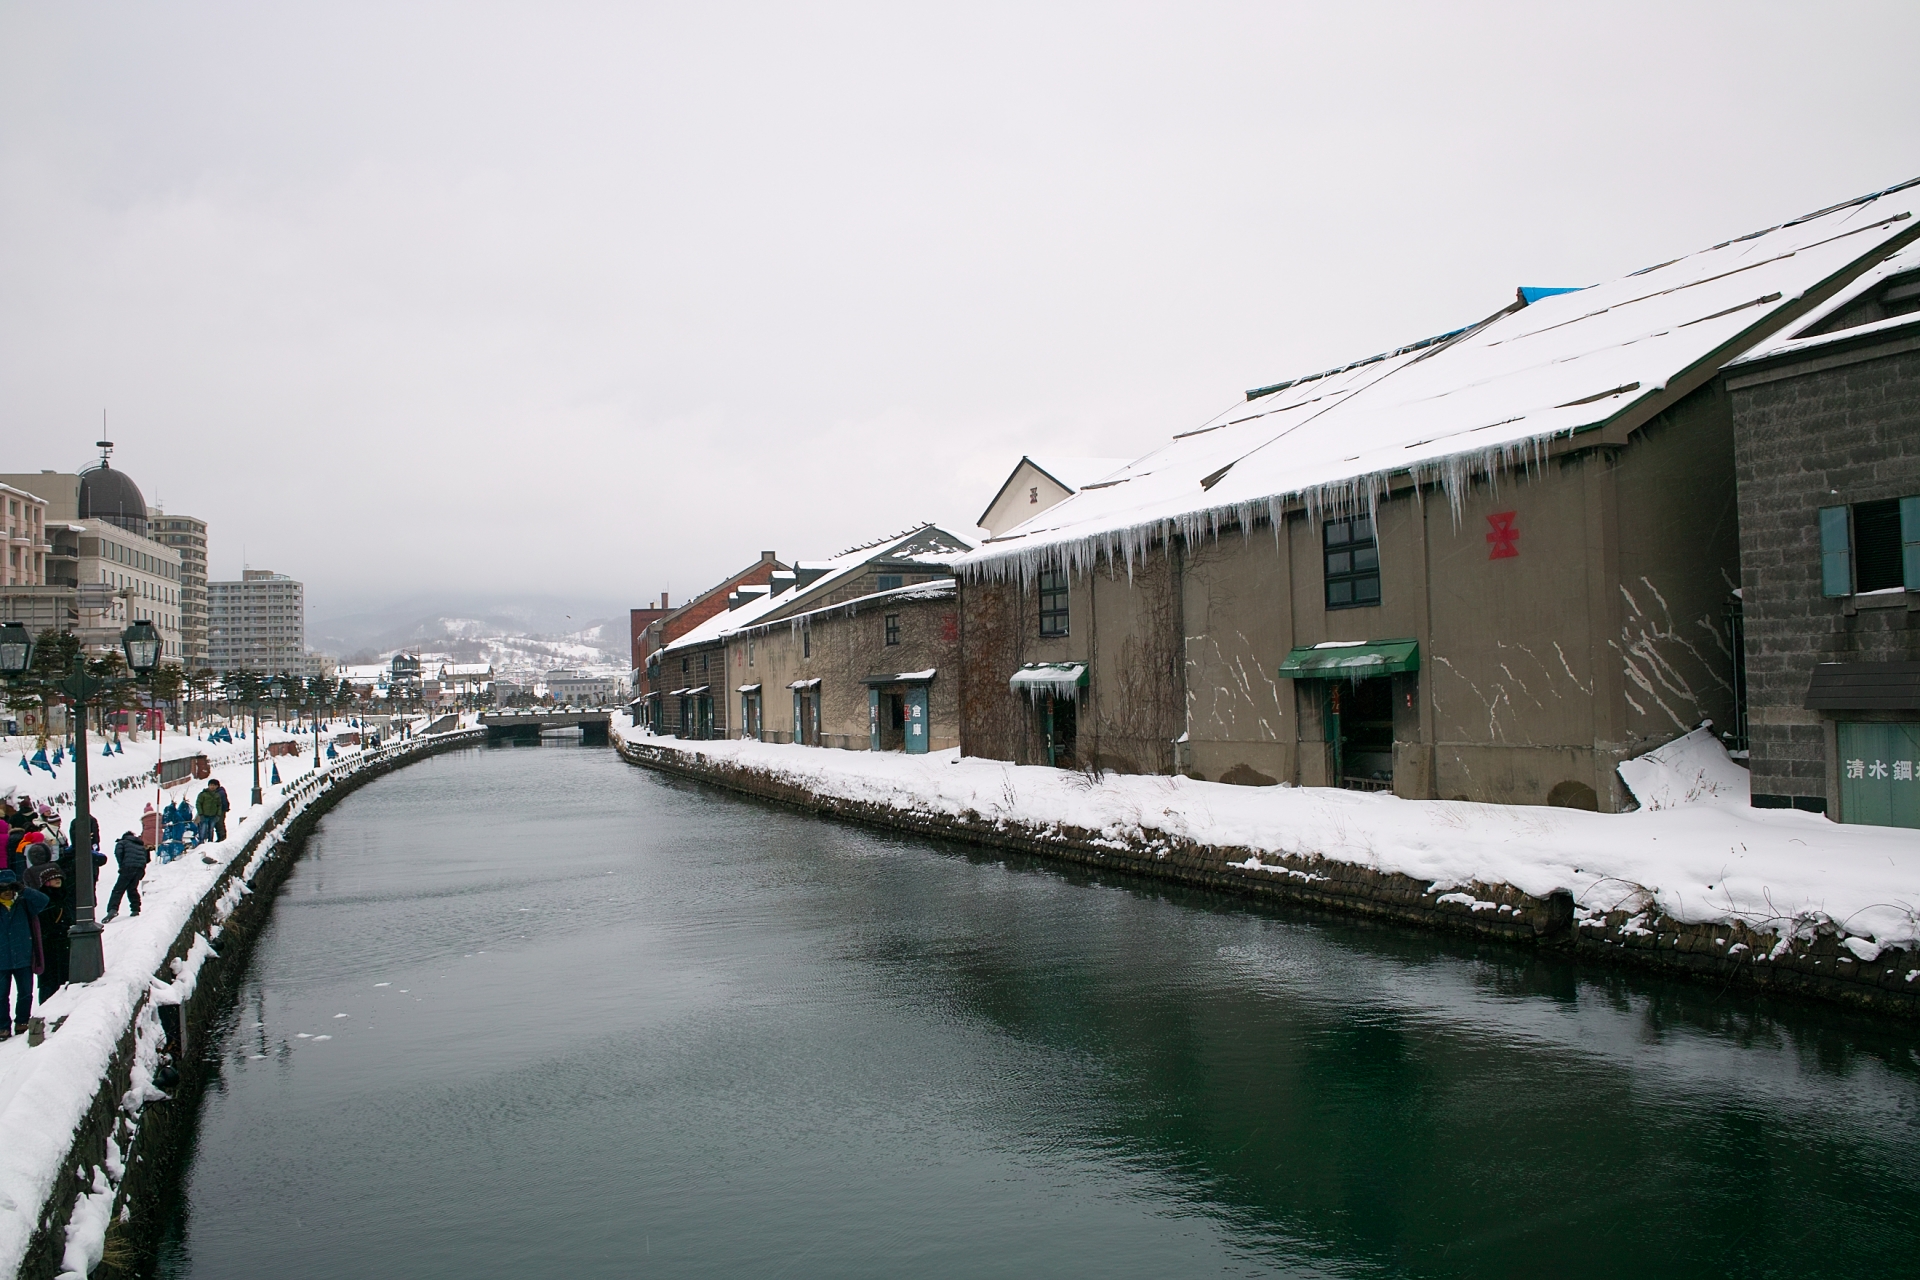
pixel 1878 762
pixel 1362 723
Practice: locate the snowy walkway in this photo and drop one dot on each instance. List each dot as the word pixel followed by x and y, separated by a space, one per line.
pixel 45 1090
pixel 1696 852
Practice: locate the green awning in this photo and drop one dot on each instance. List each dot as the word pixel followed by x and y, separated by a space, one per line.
pixel 1338 661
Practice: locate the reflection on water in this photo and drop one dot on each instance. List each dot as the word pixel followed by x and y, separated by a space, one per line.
pixel 534 1012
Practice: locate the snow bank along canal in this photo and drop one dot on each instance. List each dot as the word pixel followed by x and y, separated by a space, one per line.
pixel 89 1118
pixel 531 1011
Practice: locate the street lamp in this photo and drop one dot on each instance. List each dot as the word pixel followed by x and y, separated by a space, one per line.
pixel 16 650
pixel 141 645
pixel 250 696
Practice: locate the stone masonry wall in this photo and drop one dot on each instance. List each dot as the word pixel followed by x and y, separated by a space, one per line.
pixel 1823 436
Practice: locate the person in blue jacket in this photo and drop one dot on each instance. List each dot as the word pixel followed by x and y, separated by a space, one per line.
pixel 19 948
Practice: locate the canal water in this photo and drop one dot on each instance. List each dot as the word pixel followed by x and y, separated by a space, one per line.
pixel 533 1012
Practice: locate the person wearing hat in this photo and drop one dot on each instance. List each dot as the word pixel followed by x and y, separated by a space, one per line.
pixel 20 955
pixel 55 918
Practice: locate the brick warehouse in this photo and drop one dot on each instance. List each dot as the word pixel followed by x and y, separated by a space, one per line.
pixel 1827 441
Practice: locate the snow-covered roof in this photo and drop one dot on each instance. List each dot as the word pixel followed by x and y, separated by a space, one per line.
pixel 926 544
pixel 1790 339
pixel 1492 394
pixel 728 620
pixel 1076 473
pixel 934 589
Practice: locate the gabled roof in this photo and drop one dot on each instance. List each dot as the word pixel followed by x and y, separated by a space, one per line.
pixel 1071 474
pixel 1801 336
pixel 1609 357
pixel 927 544
pixel 933 589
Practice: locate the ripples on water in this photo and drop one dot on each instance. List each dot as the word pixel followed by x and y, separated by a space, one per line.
pixel 580 1019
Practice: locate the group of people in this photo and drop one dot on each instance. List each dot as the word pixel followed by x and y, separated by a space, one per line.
pixel 36 906
pixel 38 891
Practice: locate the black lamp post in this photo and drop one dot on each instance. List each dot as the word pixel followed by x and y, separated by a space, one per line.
pixel 250 690
pixel 141 645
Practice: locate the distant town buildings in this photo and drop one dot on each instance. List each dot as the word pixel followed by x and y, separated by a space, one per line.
pixel 258 624
pixel 580 689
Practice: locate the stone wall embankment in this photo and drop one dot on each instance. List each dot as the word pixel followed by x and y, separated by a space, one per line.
pixel 1810 961
pixel 149 1141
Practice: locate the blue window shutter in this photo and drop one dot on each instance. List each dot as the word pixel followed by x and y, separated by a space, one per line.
pixel 1836 553
pixel 1910 542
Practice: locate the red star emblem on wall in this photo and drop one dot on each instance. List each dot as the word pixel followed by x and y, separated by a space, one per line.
pixel 1503 538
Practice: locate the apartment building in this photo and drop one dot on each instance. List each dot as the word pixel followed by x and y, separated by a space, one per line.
pixel 23 517
pixel 188 536
pixel 258 624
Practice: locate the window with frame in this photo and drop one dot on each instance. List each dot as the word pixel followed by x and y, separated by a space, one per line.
pixel 1352 563
pixel 1870 546
pixel 889 581
pixel 893 628
pixel 806 642
pixel 1053 602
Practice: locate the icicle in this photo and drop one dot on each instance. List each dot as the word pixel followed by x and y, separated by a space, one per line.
pixel 1352 496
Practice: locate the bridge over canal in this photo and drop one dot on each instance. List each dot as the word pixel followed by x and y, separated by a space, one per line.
pixel 595 724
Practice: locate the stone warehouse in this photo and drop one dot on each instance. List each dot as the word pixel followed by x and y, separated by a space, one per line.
pixel 1489 566
pixel 714 684
pixel 1827 441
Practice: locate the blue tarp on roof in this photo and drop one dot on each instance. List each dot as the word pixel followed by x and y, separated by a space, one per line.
pixel 1531 294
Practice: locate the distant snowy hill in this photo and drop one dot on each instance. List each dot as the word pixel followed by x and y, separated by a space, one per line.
pixel 521 641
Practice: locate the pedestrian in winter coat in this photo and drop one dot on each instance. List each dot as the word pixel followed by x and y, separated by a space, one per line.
pixel 55 918
pixel 132 856
pixel 20 956
pixel 220 818
pixel 206 811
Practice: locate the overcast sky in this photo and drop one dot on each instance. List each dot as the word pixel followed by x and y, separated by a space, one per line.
pixel 597 301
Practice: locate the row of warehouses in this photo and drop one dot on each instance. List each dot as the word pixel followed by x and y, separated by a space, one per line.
pixel 1487 566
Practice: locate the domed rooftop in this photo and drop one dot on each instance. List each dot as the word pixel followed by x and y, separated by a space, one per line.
pixel 112 496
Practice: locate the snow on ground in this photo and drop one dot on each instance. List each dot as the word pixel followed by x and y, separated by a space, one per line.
pixel 46 1089
pixel 1695 851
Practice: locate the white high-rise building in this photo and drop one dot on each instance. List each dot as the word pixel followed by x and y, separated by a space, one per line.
pixel 258 624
